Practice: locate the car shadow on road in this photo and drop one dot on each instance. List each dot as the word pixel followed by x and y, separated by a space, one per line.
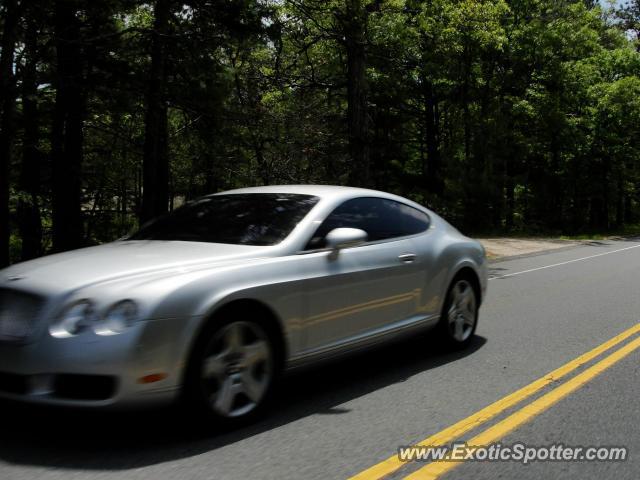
pixel 71 439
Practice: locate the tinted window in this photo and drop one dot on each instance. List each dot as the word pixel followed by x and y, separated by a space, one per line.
pixel 245 219
pixel 380 218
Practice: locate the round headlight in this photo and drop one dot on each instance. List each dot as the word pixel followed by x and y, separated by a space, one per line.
pixel 118 318
pixel 74 319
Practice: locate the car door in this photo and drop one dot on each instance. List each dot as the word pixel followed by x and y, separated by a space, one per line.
pixel 360 291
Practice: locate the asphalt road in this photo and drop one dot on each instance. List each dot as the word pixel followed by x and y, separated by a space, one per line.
pixel 343 419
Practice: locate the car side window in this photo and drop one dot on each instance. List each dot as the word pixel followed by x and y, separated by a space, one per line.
pixel 380 218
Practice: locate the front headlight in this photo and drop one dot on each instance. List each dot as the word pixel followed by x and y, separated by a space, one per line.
pixel 118 318
pixel 76 318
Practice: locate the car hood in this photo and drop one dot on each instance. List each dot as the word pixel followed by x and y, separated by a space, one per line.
pixel 123 259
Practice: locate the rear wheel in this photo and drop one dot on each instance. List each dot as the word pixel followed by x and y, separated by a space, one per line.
pixel 232 371
pixel 459 316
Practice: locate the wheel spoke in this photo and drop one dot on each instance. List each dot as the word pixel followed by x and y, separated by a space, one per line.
pixel 252 387
pixel 452 314
pixel 255 352
pixel 459 328
pixel 214 366
pixel 233 337
pixel 225 396
pixel 469 310
pixel 457 293
pixel 465 302
pixel 469 318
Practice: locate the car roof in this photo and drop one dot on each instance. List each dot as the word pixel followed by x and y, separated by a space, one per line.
pixel 322 191
pixel 317 190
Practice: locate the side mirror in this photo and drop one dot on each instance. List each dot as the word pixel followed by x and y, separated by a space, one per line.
pixel 345 237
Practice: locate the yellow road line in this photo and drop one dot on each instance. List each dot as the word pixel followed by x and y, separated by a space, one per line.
pixel 526 413
pixel 392 464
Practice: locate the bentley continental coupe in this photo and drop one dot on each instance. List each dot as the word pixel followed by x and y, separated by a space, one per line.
pixel 211 303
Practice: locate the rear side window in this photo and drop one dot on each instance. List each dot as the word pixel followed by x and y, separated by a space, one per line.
pixel 380 218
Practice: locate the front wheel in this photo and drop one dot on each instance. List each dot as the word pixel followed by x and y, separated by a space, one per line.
pixel 232 372
pixel 459 316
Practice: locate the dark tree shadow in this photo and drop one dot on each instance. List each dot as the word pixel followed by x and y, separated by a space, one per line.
pixel 65 438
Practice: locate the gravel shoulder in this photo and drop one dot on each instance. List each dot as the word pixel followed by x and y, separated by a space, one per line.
pixel 498 248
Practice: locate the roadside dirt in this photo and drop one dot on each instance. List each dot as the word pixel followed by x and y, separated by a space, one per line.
pixel 509 247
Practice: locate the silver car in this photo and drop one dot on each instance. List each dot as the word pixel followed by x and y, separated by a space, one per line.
pixel 212 302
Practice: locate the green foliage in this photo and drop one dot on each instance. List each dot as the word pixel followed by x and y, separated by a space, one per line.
pixel 504 115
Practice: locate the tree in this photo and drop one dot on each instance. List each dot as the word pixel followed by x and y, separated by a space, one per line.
pixel 28 209
pixel 67 134
pixel 7 105
pixel 630 16
pixel 354 22
pixel 502 115
pixel 155 196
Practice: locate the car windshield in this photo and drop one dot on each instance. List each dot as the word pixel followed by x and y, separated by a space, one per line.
pixel 242 219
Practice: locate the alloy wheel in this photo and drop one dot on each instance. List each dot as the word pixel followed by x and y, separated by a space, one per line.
pixel 237 369
pixel 462 313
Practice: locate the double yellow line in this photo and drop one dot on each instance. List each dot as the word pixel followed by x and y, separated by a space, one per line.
pixel 435 469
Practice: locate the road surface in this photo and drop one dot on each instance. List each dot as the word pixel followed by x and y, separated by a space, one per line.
pixel 542 313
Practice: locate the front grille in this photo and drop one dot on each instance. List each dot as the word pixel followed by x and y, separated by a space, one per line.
pixel 62 386
pixel 84 387
pixel 19 313
pixel 13 383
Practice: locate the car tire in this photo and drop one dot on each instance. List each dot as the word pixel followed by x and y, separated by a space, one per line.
pixel 232 372
pixel 459 316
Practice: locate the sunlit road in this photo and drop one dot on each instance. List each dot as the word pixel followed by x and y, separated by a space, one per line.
pixel 542 312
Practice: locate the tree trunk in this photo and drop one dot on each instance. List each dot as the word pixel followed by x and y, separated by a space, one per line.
pixel 7 105
pixel 67 135
pixel 510 203
pixel 29 220
pixel 465 107
pixel 555 188
pixel 474 215
pixel 432 169
pixel 357 115
pixel 211 179
pixel 155 194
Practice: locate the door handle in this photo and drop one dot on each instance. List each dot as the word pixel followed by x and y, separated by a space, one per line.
pixel 407 257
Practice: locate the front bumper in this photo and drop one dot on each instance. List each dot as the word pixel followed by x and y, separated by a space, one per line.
pixel 93 370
